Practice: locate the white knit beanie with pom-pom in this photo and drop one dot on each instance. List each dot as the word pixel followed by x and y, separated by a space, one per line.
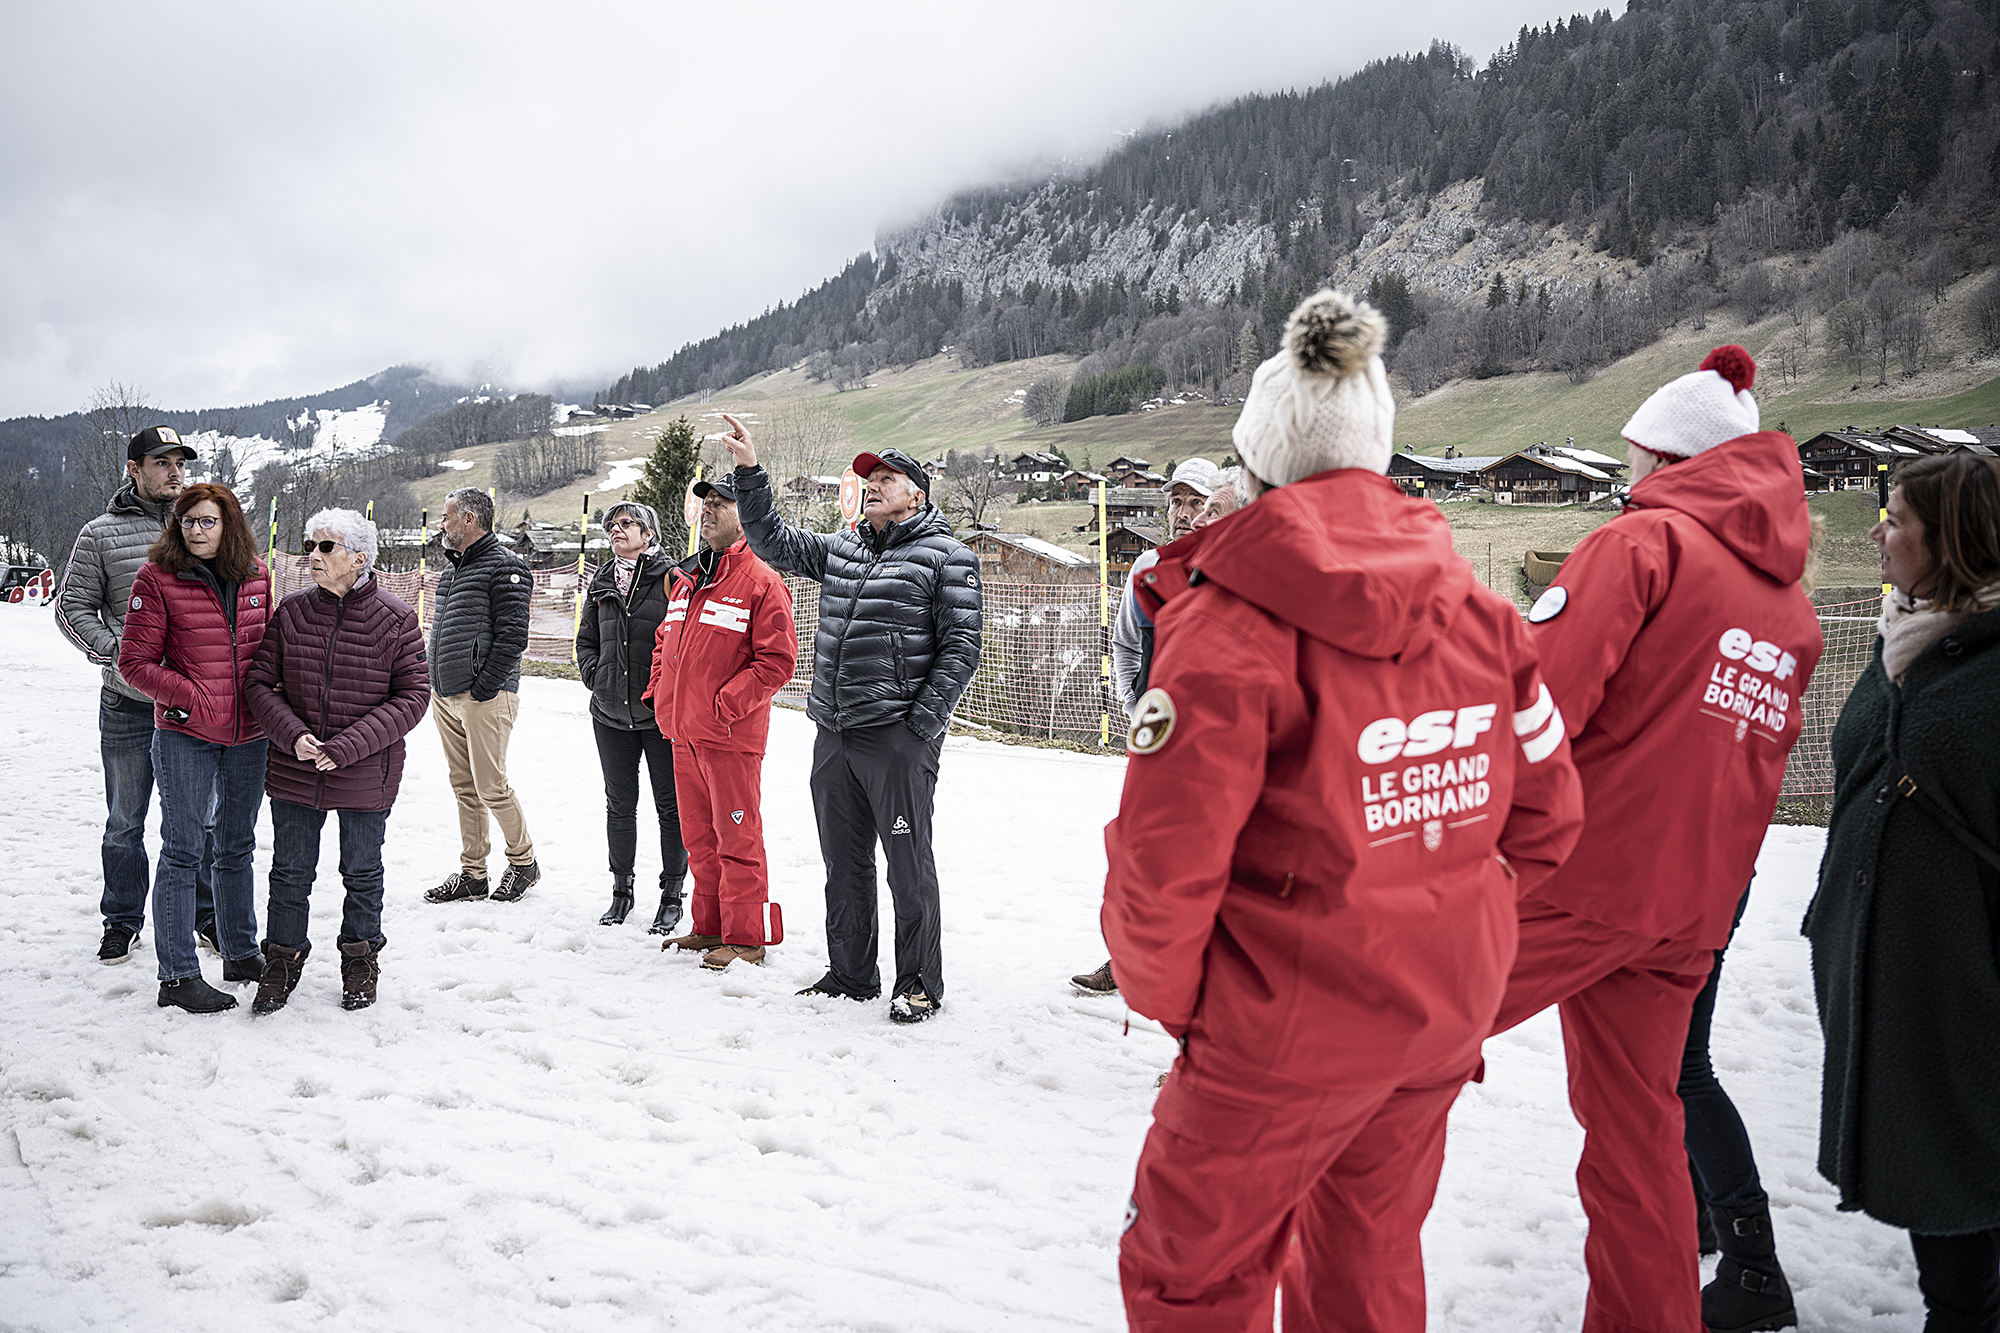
pixel 1700 410
pixel 1323 401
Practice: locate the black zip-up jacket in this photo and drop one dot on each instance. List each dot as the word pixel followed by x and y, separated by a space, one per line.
pixel 480 627
pixel 614 644
pixel 899 629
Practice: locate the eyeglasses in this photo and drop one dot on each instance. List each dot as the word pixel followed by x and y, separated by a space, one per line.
pixel 204 523
pixel 620 524
pixel 326 548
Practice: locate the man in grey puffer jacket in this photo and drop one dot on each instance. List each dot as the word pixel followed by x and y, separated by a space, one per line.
pixel 479 630
pixel 90 611
pixel 898 641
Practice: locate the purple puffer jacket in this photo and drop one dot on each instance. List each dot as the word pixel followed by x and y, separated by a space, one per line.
pixel 351 671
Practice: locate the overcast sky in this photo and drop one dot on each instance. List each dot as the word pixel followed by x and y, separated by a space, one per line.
pixel 223 203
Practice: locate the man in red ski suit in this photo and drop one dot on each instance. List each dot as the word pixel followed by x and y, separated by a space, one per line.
pixel 1677 643
pixel 1344 771
pixel 726 647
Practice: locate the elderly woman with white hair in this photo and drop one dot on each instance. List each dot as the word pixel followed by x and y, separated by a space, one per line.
pixel 338 682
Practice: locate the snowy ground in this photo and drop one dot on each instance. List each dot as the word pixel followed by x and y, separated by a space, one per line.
pixel 547 1124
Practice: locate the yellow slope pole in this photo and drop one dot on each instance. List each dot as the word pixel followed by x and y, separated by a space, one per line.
pixel 582 539
pixel 1882 507
pixel 271 551
pixel 423 544
pixel 1105 625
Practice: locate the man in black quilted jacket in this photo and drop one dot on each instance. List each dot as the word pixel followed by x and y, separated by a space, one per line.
pixel 479 629
pixel 898 642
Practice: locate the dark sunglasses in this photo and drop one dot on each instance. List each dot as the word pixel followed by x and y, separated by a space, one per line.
pixel 620 524
pixel 326 548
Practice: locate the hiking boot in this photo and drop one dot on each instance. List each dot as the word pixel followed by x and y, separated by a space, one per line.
pixel 692 943
pixel 621 902
pixel 832 989
pixel 669 914
pixel 458 888
pixel 243 969
pixel 912 1006
pixel 1749 1293
pixel 720 957
pixel 1096 983
pixel 359 971
pixel 516 881
pixel 194 995
pixel 117 946
pixel 281 975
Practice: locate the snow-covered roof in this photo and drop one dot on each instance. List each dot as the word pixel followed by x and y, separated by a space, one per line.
pixel 1048 551
pixel 1590 456
pixel 1550 459
pixel 1948 435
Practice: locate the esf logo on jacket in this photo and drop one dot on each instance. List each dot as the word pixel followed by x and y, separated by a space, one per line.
pixel 1748 696
pixel 1428 792
pixel 724 616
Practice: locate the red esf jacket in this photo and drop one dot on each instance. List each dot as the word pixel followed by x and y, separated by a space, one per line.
pixel 1346 770
pixel 725 649
pixel 1678 645
pixel 183 648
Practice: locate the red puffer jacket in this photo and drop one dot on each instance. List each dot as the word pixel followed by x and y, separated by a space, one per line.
pixel 351 671
pixel 179 649
pixel 1678 645
pixel 1344 738
pixel 724 650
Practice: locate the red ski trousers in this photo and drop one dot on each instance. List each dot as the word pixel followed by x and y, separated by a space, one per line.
pixel 1240 1163
pixel 1625 1003
pixel 720 793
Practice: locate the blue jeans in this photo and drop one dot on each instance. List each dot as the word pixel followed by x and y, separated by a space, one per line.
pixel 198 779
pixel 295 831
pixel 125 739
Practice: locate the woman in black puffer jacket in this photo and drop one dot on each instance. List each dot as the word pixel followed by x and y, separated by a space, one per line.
pixel 626 601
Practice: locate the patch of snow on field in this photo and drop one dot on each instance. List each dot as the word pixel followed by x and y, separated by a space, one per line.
pixel 624 472
pixel 555 1125
pixel 580 430
pixel 355 433
pixel 459 464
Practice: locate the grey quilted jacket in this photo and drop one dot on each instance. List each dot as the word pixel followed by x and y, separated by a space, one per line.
pixel 97 586
pixel 899 628
pixel 479 627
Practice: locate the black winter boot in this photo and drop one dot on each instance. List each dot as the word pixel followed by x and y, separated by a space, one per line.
pixel 281 976
pixel 621 901
pixel 669 914
pixel 1749 1294
pixel 359 971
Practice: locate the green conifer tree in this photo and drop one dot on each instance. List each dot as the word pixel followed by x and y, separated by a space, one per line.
pixel 664 483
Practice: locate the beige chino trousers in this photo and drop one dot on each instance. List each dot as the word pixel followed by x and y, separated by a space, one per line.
pixel 475 739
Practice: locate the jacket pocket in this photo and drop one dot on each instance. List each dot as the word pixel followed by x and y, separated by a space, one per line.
pixel 896 655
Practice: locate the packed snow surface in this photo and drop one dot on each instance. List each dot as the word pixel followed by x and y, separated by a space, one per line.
pixel 549 1124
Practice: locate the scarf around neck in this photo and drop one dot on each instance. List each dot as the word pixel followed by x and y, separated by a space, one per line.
pixel 626 569
pixel 1911 624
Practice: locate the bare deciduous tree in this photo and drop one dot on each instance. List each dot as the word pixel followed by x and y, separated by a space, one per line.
pixel 1044 400
pixel 972 487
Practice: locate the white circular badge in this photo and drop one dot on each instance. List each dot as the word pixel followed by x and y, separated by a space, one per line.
pixel 1549 605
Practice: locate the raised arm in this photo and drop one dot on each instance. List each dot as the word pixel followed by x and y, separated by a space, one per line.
pixel 784 548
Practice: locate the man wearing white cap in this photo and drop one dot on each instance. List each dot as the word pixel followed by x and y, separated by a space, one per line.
pixel 1677 644
pixel 1189 494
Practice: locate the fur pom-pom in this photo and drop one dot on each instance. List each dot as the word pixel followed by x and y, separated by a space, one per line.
pixel 1331 333
pixel 1733 363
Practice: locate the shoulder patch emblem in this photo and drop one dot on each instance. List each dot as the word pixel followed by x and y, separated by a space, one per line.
pixel 513 578
pixel 971 578
pixel 1549 605
pixel 1152 722
pixel 136 603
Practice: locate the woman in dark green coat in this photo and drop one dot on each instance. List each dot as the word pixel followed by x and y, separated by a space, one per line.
pixel 1905 927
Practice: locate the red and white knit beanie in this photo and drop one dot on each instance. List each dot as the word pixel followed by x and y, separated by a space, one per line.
pixel 1323 401
pixel 1696 412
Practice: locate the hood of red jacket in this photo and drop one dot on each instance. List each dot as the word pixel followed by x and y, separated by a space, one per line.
pixel 1343 556
pixel 1750 492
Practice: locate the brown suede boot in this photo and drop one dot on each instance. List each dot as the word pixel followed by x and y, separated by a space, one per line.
pixel 720 957
pixel 281 975
pixel 692 943
pixel 359 971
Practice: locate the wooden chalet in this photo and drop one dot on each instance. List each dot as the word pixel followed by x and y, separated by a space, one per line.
pixel 1127 463
pixel 1541 475
pixel 814 490
pixel 1034 467
pixel 1849 460
pixel 1428 475
pixel 1127 505
pixel 1015 557
pixel 1125 543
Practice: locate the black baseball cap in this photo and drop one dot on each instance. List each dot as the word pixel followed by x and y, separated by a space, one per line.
pixel 722 486
pixel 158 440
pixel 896 459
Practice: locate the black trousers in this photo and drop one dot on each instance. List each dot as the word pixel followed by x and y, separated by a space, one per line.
pixel 619 752
pixel 1960 1279
pixel 878 784
pixel 1725 1169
